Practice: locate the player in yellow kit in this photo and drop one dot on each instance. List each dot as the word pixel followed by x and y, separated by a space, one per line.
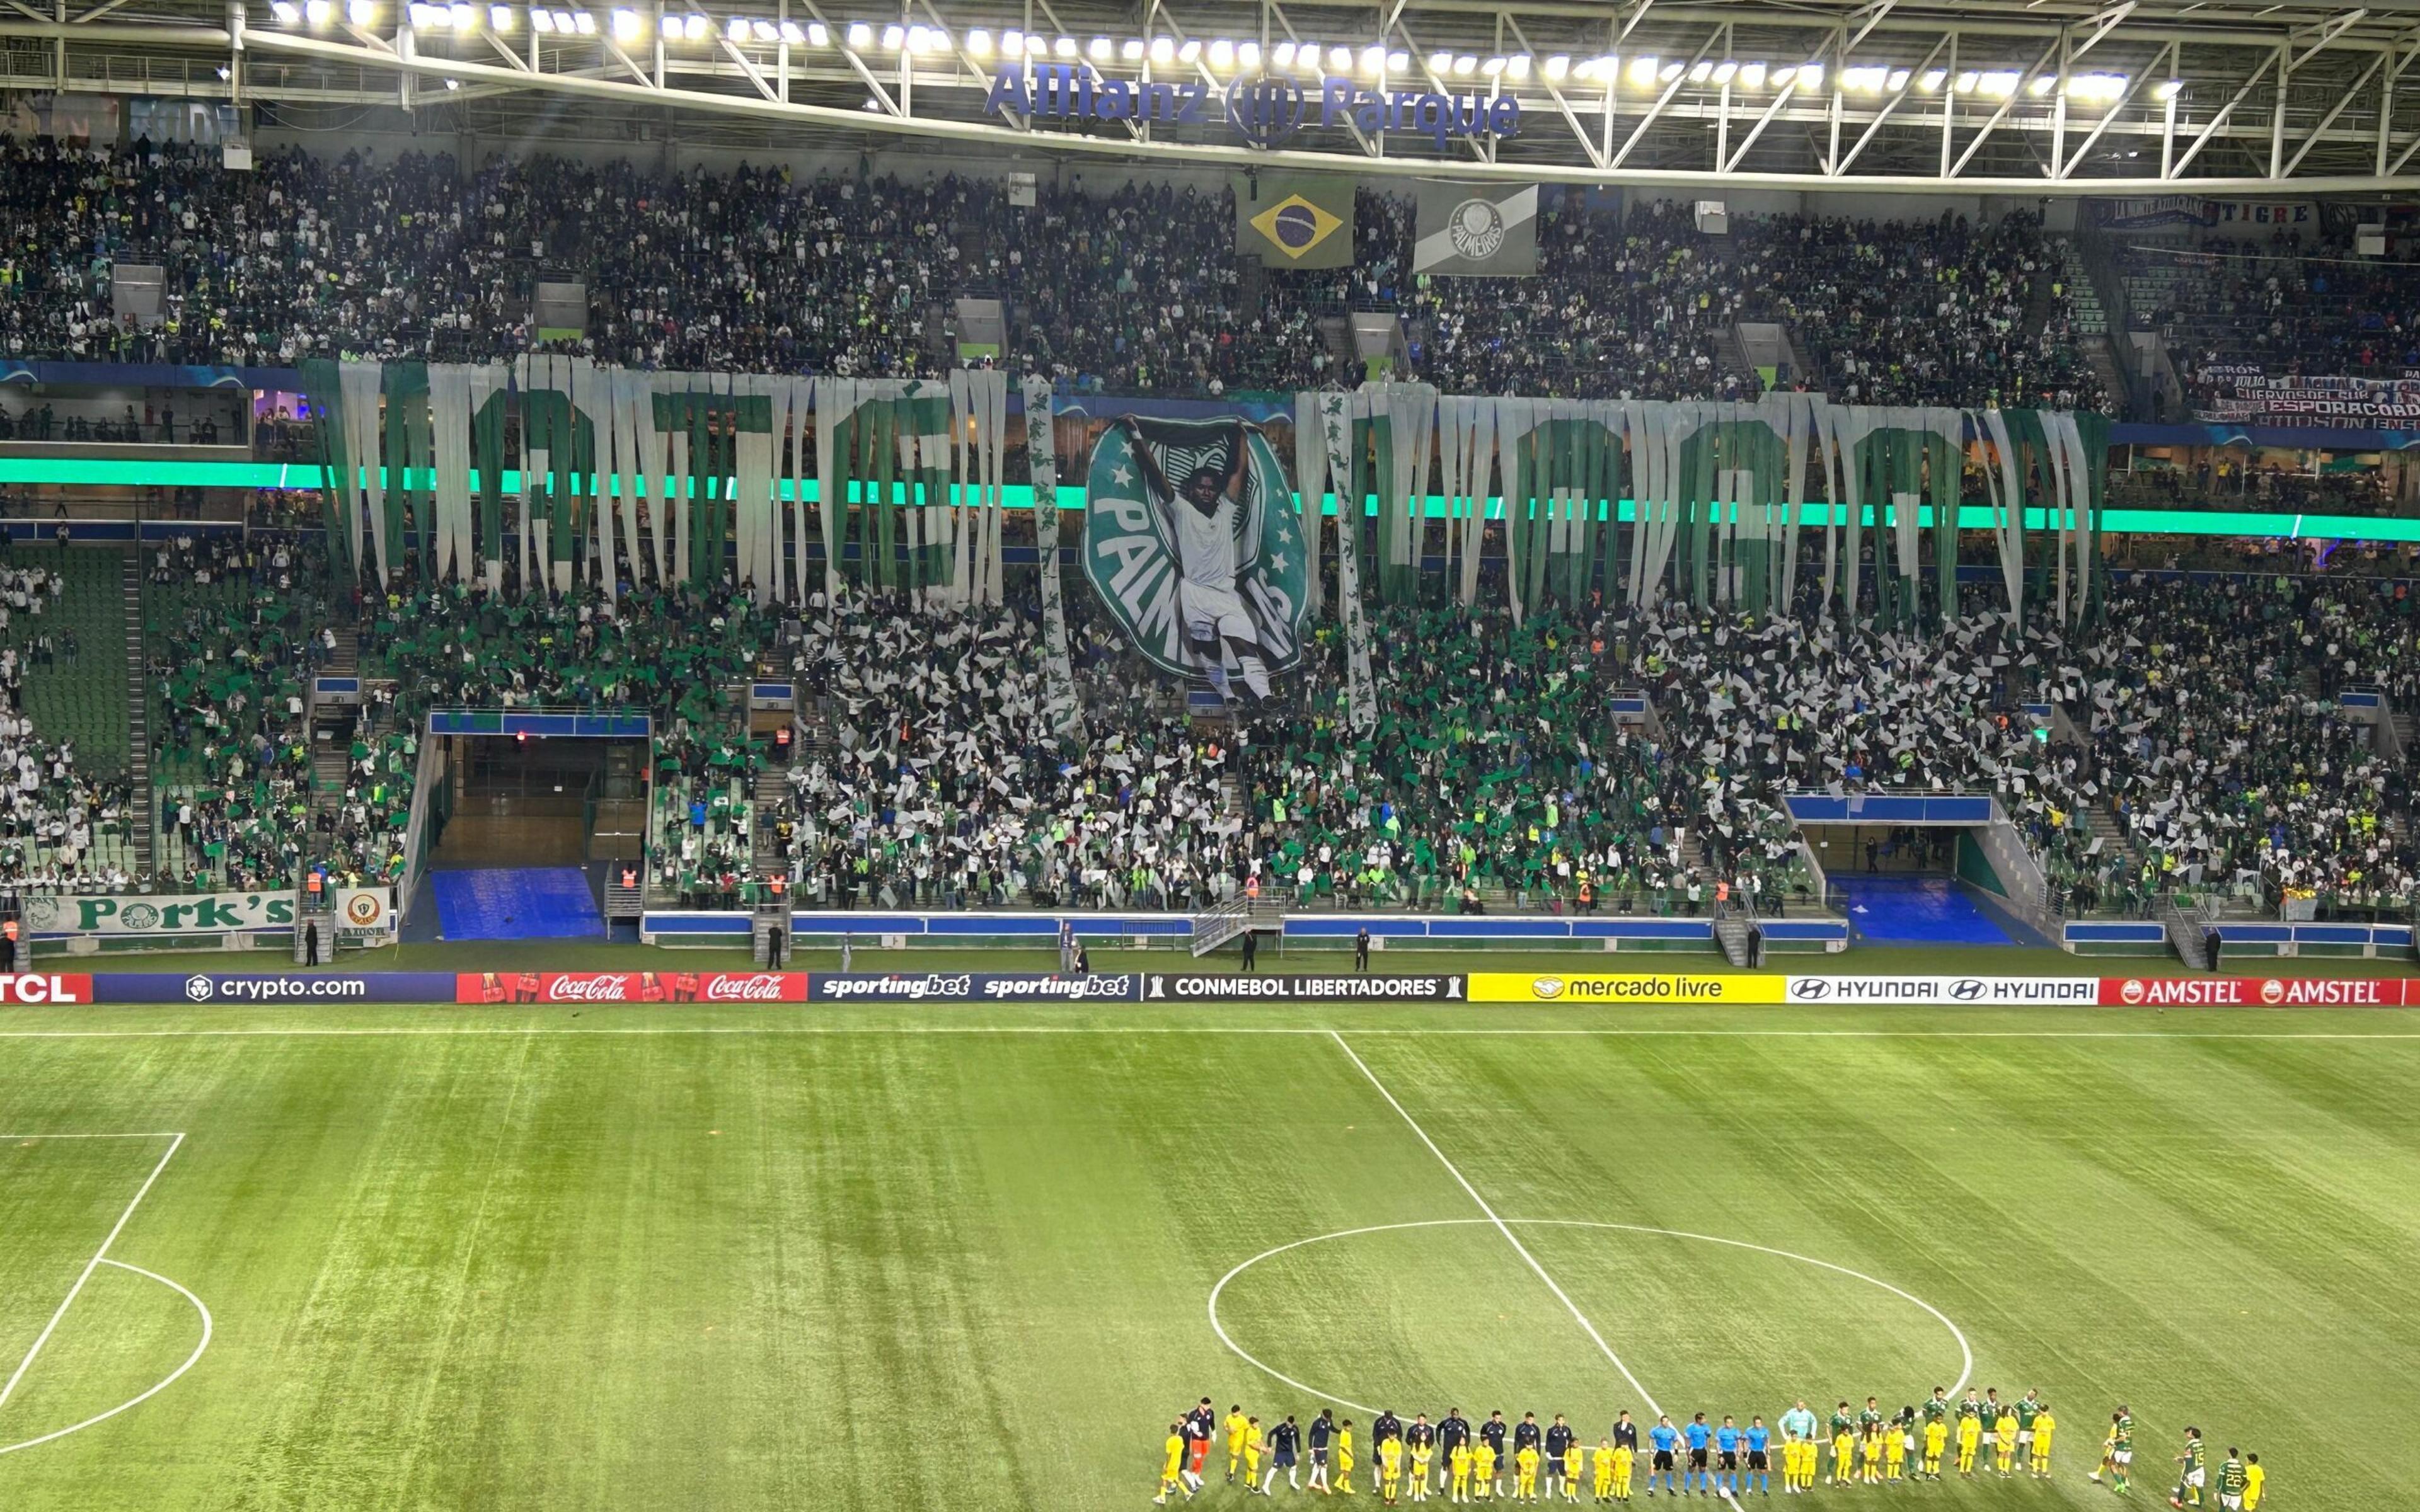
pixel 1936 1440
pixel 1483 1471
pixel 1895 1449
pixel 1574 1466
pixel 1254 1444
pixel 1525 1472
pixel 1844 1457
pixel 2004 1439
pixel 1237 1426
pixel 1422 1453
pixel 1458 1465
pixel 2253 1479
pixel 1175 1466
pixel 1970 1438
pixel 1390 1468
pixel 2044 1425
pixel 1344 1457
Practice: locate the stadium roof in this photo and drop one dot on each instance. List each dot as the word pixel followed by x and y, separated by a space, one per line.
pixel 2139 97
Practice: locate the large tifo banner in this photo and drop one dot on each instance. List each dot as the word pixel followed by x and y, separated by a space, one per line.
pixel 52 914
pixel 1191 540
pixel 945 989
pixel 2248 394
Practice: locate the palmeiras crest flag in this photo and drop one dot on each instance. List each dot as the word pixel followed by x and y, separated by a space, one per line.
pixel 1189 526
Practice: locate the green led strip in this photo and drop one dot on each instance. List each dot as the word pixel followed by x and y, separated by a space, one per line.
pixel 107 474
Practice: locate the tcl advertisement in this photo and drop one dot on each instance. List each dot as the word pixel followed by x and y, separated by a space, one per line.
pixel 46 987
pixel 630 987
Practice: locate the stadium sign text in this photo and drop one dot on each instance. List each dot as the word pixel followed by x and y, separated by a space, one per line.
pixel 1263 111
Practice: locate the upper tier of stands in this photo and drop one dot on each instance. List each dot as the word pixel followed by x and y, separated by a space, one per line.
pixel 2303 301
pixel 1135 290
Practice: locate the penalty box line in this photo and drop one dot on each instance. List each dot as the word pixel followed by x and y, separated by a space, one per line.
pixel 100 1257
pixel 1502 1227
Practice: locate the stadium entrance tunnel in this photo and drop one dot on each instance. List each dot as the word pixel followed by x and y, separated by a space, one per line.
pixel 1446 1312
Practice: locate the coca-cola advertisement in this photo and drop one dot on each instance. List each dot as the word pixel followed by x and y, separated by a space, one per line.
pixel 508 987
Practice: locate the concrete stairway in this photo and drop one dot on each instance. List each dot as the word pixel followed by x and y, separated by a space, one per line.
pixel 144 802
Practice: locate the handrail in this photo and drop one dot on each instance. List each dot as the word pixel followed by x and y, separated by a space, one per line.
pixel 425 778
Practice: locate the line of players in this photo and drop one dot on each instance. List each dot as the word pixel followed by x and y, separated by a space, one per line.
pixel 1868 1448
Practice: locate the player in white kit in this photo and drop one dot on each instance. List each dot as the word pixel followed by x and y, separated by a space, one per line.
pixel 1203 525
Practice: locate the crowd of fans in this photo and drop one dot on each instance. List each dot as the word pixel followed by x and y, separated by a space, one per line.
pixel 1639 306
pixel 946 780
pixel 1133 288
pixel 2304 302
pixel 233 626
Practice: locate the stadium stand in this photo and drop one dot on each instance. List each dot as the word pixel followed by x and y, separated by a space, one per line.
pixel 67 821
pixel 229 625
pixel 1135 290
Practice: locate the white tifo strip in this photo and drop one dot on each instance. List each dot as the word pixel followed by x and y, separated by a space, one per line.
pixel 1501 1228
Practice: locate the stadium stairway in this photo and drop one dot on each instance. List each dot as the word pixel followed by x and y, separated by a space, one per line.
pixel 770 797
pixel 2186 934
pixel 1731 359
pixel 138 734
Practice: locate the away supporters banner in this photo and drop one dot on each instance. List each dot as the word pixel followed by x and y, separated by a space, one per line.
pixel 2246 395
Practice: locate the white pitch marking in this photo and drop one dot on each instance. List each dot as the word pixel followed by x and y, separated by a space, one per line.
pixel 1399 1030
pixel 162 1134
pixel 1966 1349
pixel 176 1142
pixel 1510 1237
pixel 191 1360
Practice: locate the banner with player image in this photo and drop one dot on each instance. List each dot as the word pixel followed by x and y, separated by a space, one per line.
pixel 1190 540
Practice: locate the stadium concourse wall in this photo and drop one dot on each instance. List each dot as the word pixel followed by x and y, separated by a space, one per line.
pixel 1315 931
pixel 1174 933
pixel 2240 937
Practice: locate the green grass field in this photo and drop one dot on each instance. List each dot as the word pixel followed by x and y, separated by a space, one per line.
pixel 880 1258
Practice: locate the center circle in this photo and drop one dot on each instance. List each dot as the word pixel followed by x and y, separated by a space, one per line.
pixel 1965 1351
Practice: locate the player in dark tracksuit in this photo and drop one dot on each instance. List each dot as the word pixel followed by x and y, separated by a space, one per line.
pixel 1453 1431
pixel 1286 1440
pixel 1559 1449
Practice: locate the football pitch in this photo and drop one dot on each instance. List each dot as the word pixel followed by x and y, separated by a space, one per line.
pixel 979 1258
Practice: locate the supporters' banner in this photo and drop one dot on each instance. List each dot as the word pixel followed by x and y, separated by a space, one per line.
pixel 2250 396
pixel 2147 212
pixel 970 987
pixel 885 446
pixel 1402 430
pixel 1336 412
pixel 504 987
pixel 1466 455
pixel 1211 987
pixel 1476 229
pixel 1294 221
pixel 979 431
pixel 1041 464
pixel 201 912
pixel 1649 987
pixel 1192 543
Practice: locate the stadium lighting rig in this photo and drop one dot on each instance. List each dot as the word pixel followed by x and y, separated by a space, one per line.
pixel 1793 99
